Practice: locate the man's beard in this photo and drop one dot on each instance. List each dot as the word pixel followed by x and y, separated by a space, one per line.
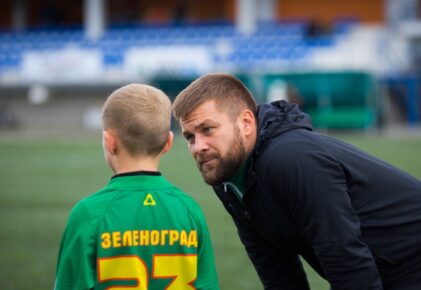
pixel 223 168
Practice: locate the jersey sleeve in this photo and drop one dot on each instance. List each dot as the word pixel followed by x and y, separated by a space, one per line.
pixel 207 278
pixel 76 261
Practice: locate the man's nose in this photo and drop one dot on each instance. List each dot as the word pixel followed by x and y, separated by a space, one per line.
pixel 200 145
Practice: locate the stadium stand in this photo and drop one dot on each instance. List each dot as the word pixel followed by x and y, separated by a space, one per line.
pixel 271 44
pixel 334 100
pixel 335 65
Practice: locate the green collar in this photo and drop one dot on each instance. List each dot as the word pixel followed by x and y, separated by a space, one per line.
pixel 140 181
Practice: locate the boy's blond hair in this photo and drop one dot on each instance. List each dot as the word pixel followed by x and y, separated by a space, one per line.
pixel 141 117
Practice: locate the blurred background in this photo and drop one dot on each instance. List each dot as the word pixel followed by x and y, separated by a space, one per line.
pixel 354 66
pixel 349 64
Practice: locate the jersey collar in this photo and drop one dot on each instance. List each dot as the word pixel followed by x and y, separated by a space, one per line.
pixel 137 173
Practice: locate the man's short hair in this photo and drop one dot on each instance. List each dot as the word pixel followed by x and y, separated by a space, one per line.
pixel 228 91
pixel 141 117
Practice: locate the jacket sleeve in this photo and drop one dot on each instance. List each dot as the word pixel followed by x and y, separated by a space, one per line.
pixel 312 190
pixel 277 269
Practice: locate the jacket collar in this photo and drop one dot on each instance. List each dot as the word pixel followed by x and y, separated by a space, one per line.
pixel 273 119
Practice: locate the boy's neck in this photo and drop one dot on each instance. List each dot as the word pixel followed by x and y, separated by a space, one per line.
pixel 136 164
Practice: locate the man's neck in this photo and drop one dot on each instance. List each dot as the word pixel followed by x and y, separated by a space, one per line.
pixel 251 141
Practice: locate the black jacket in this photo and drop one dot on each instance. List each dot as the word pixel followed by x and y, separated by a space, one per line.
pixel 354 218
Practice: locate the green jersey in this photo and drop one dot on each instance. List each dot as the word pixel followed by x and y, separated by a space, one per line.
pixel 139 232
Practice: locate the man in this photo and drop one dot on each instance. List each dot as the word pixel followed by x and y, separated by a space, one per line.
pixel 293 192
pixel 139 231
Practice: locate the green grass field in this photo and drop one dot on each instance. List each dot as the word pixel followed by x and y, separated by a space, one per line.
pixel 41 180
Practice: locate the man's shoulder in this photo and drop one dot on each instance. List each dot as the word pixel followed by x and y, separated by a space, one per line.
pixel 291 145
pixel 298 136
pixel 296 151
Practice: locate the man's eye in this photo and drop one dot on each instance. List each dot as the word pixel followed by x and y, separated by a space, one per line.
pixel 207 130
pixel 189 137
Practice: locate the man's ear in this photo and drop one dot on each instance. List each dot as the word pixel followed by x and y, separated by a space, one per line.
pixel 169 143
pixel 247 122
pixel 110 142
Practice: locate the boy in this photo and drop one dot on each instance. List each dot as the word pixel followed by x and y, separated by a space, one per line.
pixel 139 231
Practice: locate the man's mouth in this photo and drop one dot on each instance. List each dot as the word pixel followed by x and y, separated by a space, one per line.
pixel 205 160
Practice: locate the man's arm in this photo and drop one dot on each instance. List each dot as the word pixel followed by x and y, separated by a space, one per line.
pixel 277 269
pixel 76 262
pixel 312 189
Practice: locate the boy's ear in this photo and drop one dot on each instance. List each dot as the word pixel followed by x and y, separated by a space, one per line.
pixel 169 143
pixel 110 142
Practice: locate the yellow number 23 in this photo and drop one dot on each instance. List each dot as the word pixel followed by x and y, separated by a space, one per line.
pixel 181 268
